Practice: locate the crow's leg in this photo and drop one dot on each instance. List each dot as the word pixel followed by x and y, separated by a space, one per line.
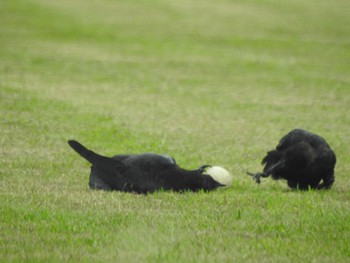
pixel 327 183
pixel 292 184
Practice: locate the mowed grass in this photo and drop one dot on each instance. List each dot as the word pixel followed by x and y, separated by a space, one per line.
pixel 215 82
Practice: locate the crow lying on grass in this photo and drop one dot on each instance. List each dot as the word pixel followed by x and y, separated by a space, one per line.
pixel 303 159
pixel 147 172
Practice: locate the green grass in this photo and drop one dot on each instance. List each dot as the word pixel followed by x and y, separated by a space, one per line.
pixel 206 81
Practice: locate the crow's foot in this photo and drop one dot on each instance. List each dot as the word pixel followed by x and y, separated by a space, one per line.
pixel 203 167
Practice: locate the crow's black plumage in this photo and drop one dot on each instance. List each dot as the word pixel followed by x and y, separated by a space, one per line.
pixel 142 173
pixel 303 159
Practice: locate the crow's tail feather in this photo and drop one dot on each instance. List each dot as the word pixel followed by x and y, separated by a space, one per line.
pixel 89 155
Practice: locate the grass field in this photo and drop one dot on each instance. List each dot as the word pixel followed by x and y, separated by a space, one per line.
pixel 207 81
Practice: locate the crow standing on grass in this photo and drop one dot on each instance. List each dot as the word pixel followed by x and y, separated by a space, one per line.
pixel 303 159
pixel 148 172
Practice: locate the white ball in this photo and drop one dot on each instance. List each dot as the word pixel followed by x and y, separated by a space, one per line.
pixel 220 174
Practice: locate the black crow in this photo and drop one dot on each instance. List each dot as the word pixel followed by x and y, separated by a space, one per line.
pixel 145 173
pixel 303 159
